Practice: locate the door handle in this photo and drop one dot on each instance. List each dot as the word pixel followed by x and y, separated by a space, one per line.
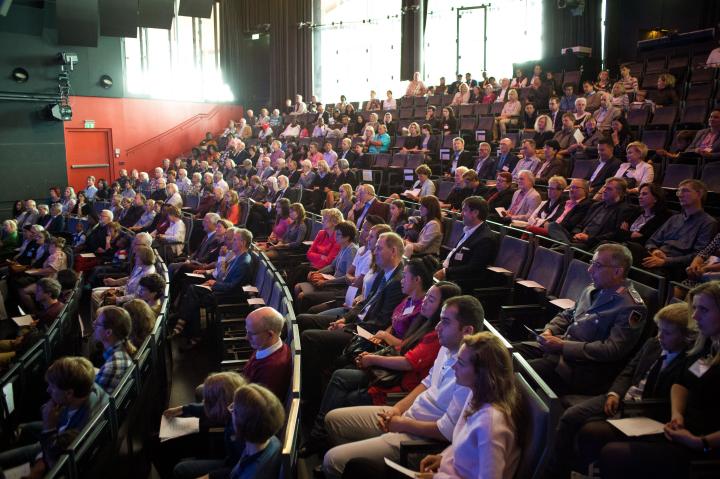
pixel 94 165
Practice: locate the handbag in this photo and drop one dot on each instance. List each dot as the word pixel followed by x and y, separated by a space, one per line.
pixel 382 377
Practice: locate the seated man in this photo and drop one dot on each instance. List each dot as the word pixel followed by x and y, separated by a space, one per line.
pixel 649 375
pixel 580 348
pixel 429 411
pixel 476 249
pixel 706 142
pixel 606 166
pixel 112 328
pixel 207 294
pixel 602 220
pixel 529 161
pixel 501 195
pixel 205 254
pixel 324 339
pixel 73 401
pixel 270 363
pixel 458 192
pixel 673 246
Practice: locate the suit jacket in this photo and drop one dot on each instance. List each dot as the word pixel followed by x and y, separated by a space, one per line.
pixel 510 161
pixel 502 199
pixel 379 314
pixel 208 250
pixel 472 256
pixel 556 167
pixel 640 365
pixel 619 212
pixel 464 159
pixel 699 137
pixel 56 225
pixel 607 171
pixel 487 170
pixel 132 216
pixel 238 274
pixel 576 215
pixel 376 208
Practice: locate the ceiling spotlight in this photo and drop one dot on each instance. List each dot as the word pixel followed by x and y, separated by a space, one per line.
pixel 106 81
pixel 20 75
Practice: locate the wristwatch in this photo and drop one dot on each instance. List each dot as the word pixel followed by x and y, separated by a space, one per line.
pixel 706 445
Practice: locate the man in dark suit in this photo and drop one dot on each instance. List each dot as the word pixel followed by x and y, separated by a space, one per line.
pixel 605 167
pixel 506 160
pixel 324 338
pixel 459 157
pixel 649 375
pixel 579 204
pixel 55 222
pixel 455 86
pixel 134 212
pixel 555 114
pixel 501 195
pixel 346 152
pixel 470 81
pixel 484 165
pixel 205 254
pixel 476 249
pixel 372 206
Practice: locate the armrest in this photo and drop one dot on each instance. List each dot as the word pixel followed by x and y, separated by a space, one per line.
pixel 233 364
pixel 492 291
pixel 659 406
pixel 238 309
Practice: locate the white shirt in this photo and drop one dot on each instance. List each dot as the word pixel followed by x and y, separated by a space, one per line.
pixel 175 200
pixel 263 353
pixel 389 104
pixel 484 445
pixel 362 261
pixel 443 400
pixel 291 131
pixel 467 232
pixel 597 170
pixel 176 233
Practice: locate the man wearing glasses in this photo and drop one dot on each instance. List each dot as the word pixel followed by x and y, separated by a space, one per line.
pixel 582 348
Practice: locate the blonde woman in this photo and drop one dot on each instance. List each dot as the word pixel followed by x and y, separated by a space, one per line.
pixel 508 115
pixel 636 171
pixel 462 96
pixel 413 142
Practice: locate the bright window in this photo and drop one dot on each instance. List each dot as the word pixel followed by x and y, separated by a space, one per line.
pixel 179 64
pixel 356 49
pixel 514 35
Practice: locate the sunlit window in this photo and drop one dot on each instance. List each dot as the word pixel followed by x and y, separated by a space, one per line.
pixel 514 35
pixel 356 49
pixel 179 64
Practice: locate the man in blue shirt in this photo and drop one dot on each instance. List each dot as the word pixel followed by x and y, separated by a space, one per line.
pixel 567 102
pixel 380 142
pixel 90 189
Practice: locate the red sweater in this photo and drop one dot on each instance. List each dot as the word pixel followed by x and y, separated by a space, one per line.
pixel 323 250
pixel 274 372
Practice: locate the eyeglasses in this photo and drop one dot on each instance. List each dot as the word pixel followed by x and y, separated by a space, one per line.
pixel 598 264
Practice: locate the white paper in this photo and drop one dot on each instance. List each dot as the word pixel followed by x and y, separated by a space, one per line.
pixel 350 295
pixel 9 394
pixel 255 301
pixel 23 320
pixel 563 303
pixel 402 469
pixel 519 224
pixel 250 289
pixel 528 283
pixel 414 192
pixel 498 269
pixel 327 276
pixel 500 210
pixel 177 427
pixel 18 472
pixel 637 426
pixel 367 175
pixel 578 136
pixel 87 255
pixel 204 286
pixel 364 333
pixel 307 243
pixel 195 275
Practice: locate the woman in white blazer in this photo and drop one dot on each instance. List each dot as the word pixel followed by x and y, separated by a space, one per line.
pixel 636 168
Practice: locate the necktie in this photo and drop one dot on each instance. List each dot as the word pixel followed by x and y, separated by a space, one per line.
pixel 375 295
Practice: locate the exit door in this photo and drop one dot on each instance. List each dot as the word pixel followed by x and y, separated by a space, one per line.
pixel 88 152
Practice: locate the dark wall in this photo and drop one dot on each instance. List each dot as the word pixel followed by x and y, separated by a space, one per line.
pixel 626 18
pixel 32 151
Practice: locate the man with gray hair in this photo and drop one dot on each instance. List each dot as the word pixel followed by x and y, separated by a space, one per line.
pixel 219 182
pixel 370 205
pixel 29 216
pixel 183 182
pixel 582 349
pixel 54 222
pixel 160 192
pixel 271 361
pixel 206 254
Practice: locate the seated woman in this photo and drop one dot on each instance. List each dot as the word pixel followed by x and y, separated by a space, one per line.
pixel 119 291
pixel 174 236
pixel 581 115
pixel 665 95
pixel 423 187
pixel 529 116
pixel 281 224
pixel 319 288
pixel 407 353
pixel 323 249
pixel 70 200
pixel 345 199
pixel 430 236
pixel 307 175
pixel 550 209
pixel 143 321
pixel 508 116
pixel 321 185
pixel 592 136
pixel 294 235
pixel 620 136
pixel 55 261
pixel 230 207
pixel 413 140
pixel 398 216
pixel 218 391
pixel 257 417
pixel 9 239
pixel 693 432
pixel 486 438
pixel 636 170
pixel 705 266
pixel 543 131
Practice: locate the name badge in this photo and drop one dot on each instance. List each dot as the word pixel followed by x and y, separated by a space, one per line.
pixel 699 367
pixel 505 168
pixel 458 256
pixel 408 310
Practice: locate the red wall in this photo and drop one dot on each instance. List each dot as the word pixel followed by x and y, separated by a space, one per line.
pixel 146 131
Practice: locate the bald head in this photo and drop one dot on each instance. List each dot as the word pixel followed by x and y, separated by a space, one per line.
pixel 264 326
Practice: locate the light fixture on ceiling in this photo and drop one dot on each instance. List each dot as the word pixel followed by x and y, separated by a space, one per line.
pixel 20 75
